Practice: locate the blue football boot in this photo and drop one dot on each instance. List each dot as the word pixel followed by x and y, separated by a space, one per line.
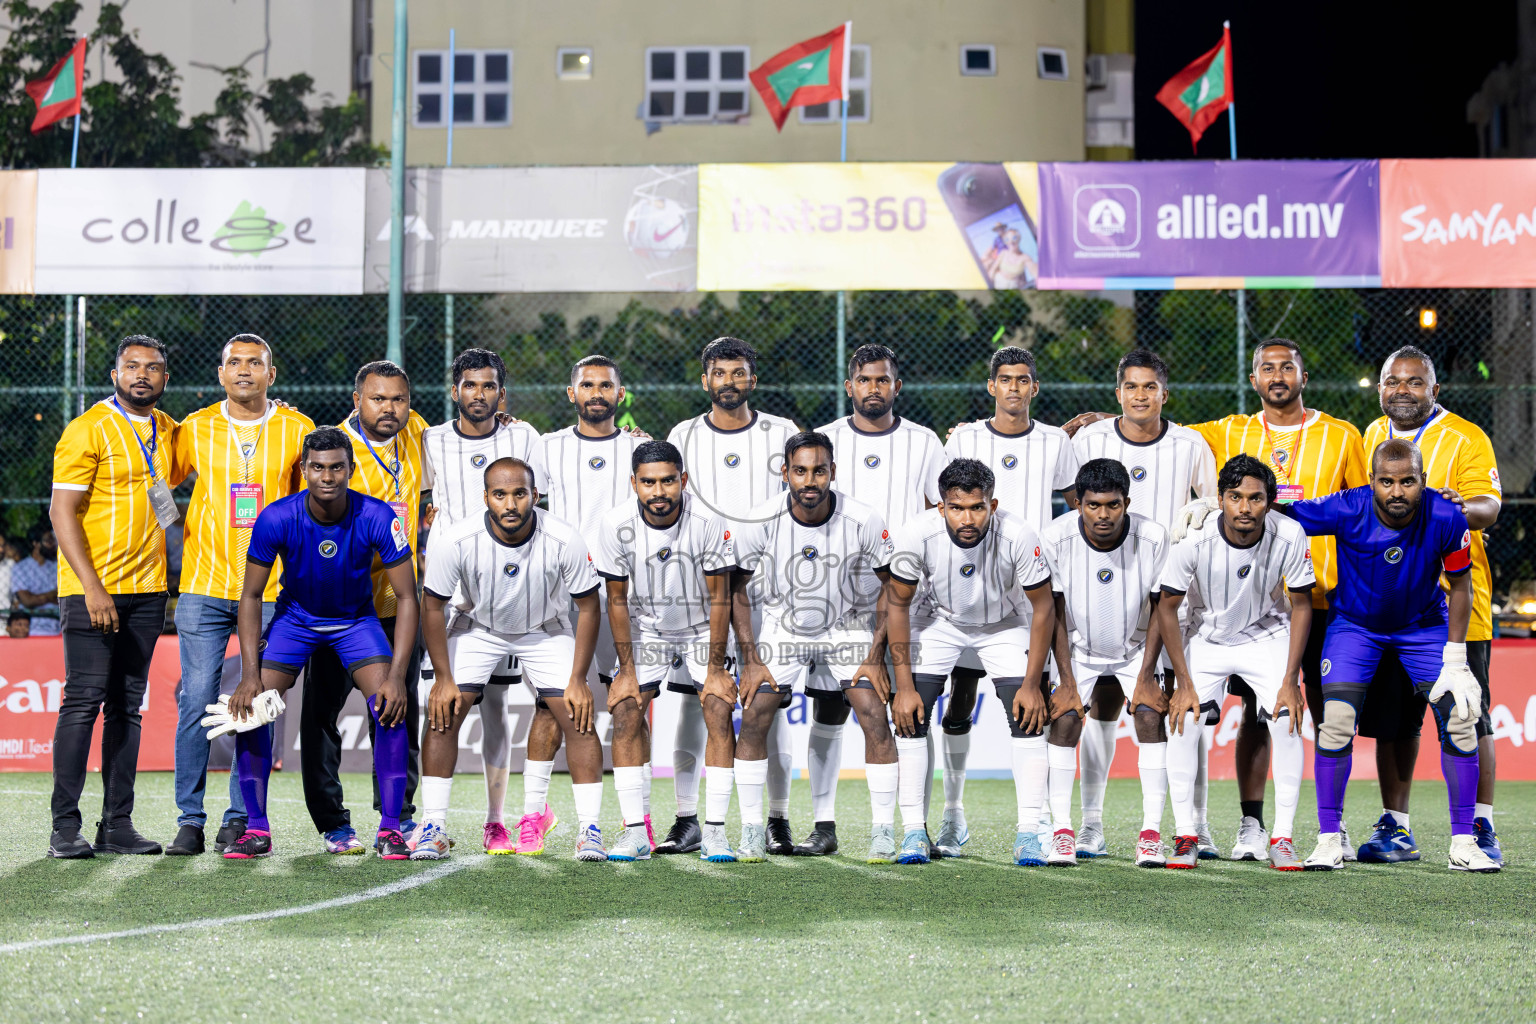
pixel 1389 843
pixel 1487 839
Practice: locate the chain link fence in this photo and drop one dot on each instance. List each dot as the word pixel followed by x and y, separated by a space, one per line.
pixel 1481 340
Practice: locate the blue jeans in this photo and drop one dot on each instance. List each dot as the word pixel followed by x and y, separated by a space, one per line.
pixel 203 627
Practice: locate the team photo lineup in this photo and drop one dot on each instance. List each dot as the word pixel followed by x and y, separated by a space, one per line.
pixel 1118 564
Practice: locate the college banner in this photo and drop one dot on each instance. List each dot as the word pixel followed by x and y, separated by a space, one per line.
pixel 18 231
pixel 539 229
pixel 1458 223
pixel 1210 224
pixel 785 227
pixel 237 231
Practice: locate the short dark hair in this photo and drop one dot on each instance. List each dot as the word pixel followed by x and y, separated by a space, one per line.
pixel 1102 476
pixel 379 368
pixel 469 359
pixel 1145 359
pixel 327 439
pixel 655 451
pixel 1394 448
pixel 1010 355
pixel 966 475
pixel 1258 350
pixel 247 339
pixel 140 341
pixel 19 615
pixel 730 348
pixel 872 353
pixel 1239 467
pixel 508 461
pixel 806 439
pixel 1411 352
pixel 596 360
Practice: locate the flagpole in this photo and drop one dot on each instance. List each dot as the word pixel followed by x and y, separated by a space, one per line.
pixel 1242 293
pixel 842 296
pixel 448 299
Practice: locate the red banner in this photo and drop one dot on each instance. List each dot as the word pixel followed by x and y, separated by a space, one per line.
pixel 1458 223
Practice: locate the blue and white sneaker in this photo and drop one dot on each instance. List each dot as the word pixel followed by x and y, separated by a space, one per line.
pixel 953 834
pixel 431 841
pixel 1389 843
pixel 1487 839
pixel 633 845
pixel 915 848
pixel 882 844
pixel 1027 852
pixel 344 842
pixel 714 847
pixel 589 844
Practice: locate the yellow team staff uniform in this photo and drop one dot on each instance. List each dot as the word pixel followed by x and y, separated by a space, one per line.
pixel 390 472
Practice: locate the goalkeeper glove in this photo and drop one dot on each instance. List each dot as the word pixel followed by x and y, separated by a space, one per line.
pixel 265 708
pixel 1191 517
pixel 1458 681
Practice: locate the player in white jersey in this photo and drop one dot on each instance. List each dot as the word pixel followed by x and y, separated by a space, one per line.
pixel 1031 463
pixel 519 569
pixel 667 564
pixel 454 456
pixel 1106 563
pixel 889 463
pixel 1235 576
pixel 735 460
pixel 1168 464
pixel 981 567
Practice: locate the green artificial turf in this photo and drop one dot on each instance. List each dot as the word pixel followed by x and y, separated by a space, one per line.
pixel 547 939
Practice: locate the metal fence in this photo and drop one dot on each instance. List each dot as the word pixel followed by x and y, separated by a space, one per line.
pixel 1482 341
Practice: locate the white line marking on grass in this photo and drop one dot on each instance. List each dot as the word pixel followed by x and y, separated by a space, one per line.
pixel 426 877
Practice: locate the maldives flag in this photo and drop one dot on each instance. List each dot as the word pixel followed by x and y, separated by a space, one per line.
pixel 57 94
pixel 815 71
pixel 1198 94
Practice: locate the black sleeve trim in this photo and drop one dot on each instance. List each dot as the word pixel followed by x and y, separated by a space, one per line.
pixel 611 576
pixel 1174 591
pixel 584 593
pixel 1301 590
pixel 432 593
pixel 267 565
pixel 405 557
pixel 902 579
pixel 1458 572
pixel 1036 586
pixel 721 571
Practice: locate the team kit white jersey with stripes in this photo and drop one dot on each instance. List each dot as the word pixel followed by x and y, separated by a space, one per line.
pixel 731 472
pixel 455 465
pixel 1165 473
pixel 895 470
pixel 1029 468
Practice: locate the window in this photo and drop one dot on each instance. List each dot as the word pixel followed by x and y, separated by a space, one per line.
pixel 1051 62
pixel 696 83
pixel 978 59
pixel 858 93
pixel 482 88
pixel 573 62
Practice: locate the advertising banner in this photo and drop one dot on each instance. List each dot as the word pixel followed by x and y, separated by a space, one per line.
pixel 539 229
pixel 1210 224
pixel 783 227
pixel 1458 223
pixel 240 231
pixel 18 231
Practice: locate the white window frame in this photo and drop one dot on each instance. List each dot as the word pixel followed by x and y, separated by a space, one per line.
pixel 1066 69
pixel 833 112
pixel 714 85
pixel 479 88
pixel 585 74
pixel 971 72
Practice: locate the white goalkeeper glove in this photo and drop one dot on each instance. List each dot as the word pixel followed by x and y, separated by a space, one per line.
pixel 264 711
pixel 1458 681
pixel 1190 518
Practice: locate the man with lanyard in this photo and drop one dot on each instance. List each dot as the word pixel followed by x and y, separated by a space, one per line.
pixel 245 451
pixel 386 445
pixel 113 471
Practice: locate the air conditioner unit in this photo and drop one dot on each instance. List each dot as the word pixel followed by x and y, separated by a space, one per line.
pixel 364 68
pixel 1097 71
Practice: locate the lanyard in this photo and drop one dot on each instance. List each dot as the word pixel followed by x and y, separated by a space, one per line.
pixel 394 474
pixel 246 460
pixel 1420 433
pixel 154 432
pixel 1293 456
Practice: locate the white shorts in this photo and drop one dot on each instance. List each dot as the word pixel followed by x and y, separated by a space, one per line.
pixel 546 659
pixel 1261 663
pixel 1001 648
pixel 661 658
pixel 1090 673
pixel 794 660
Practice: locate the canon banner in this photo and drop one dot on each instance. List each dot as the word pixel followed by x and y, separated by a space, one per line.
pixel 1210 224
pixel 1458 223
pixel 539 229
pixel 200 232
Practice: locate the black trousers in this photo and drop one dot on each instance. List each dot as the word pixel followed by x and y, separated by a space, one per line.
pixel 105 673
pixel 326 688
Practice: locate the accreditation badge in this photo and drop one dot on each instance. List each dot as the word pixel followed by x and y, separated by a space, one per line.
pixel 400 508
pixel 1290 492
pixel 244 505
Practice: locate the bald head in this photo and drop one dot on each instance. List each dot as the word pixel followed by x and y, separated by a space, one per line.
pixel 1397 449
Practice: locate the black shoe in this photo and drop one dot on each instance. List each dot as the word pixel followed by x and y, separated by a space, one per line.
pixel 683 837
pixel 821 842
pixel 123 839
pixel 781 842
pixel 188 842
pixel 249 846
pixel 69 844
pixel 391 844
pixel 229 834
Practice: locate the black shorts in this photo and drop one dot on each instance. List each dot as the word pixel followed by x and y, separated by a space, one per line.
pixel 1394 710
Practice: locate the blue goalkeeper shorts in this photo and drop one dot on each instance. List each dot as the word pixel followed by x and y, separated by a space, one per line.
pixel 1351 652
pixel 288 644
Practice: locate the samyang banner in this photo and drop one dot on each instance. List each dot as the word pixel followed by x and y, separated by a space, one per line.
pixel 1458 223
pixel 1210 224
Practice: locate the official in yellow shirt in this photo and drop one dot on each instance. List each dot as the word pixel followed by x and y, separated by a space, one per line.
pixel 1457 455
pixel 386 443
pixel 245 451
pixel 113 471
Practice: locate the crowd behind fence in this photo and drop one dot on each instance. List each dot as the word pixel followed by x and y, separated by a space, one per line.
pixel 55 355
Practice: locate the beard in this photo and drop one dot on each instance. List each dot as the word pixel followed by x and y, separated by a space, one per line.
pixel 595 411
pixel 1408 414
pixel 875 406
pixel 728 397
pixel 127 397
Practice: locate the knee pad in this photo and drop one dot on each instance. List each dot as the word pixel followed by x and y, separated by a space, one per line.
pixel 929 688
pixel 1458 736
pixel 1336 737
pixel 829 709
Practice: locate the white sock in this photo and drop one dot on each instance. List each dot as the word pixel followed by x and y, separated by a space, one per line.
pixel 1096 753
pixel 1183 766
pixel 589 803
pixel 1286 756
pixel 434 799
pixel 645 789
pixel 495 746
pixel 1030 769
pixel 780 763
pixel 882 780
pixel 495 793
pixel 1202 774
pixel 1152 763
pixel 629 783
pixel 1478 811
pixel 688 756
pixel 912 757
pixel 751 776
pixel 536 785
pixel 1401 817
pixel 957 750
pixel 824 760
pixel 717 793
pixel 928 745
pixel 1063 765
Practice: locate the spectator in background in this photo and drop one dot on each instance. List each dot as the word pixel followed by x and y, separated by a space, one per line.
pixel 16 549
pixel 18 626
pixel 35 583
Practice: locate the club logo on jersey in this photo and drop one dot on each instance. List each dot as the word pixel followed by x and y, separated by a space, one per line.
pixel 871 461
pixel 1327 666
pixel 511 569
pixel 732 460
pixel 247 450
pixel 597 462
pixel 968 570
pixel 1242 573
pixel 477 461
pixel 1393 555
pixel 1138 473
pixel 663 554
pixel 810 552
pixel 1009 461
pixel 1105 575
pixel 327 549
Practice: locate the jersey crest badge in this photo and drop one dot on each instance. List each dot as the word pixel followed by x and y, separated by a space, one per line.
pixel 1327 666
pixel 810 552
pixel 247 450
pixel 512 569
pixel 1105 575
pixel 732 460
pixel 1281 456
pixel 1009 461
pixel 478 461
pixel 871 461
pixel 663 554
pixel 327 549
pixel 1138 473
pixel 1393 555
pixel 968 570
pixel 597 462
pixel 1242 573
